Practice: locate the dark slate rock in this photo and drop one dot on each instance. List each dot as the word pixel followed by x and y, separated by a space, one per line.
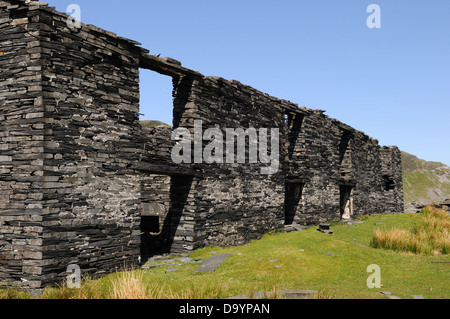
pixel 212 263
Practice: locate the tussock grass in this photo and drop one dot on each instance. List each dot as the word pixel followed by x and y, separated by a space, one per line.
pixel 136 284
pixel 90 289
pixel 13 293
pixel 430 236
pixel 129 285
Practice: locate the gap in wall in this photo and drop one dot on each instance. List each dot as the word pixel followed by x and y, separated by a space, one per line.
pixel 293 202
pixel 156 97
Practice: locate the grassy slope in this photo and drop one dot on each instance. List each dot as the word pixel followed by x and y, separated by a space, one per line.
pixel 424 181
pixel 344 273
pixel 303 264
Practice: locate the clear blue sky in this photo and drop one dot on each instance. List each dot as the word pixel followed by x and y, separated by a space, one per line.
pixel 392 83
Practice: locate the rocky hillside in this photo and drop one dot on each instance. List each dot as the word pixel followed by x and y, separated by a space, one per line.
pixel 151 123
pixel 424 181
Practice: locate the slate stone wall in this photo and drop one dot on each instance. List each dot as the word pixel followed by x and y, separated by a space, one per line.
pixel 319 156
pixel 233 202
pixel 21 145
pixel 70 102
pixel 91 203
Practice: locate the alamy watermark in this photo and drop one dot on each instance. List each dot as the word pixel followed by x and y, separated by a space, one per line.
pixel 74 279
pixel 374 20
pixel 259 150
pixel 74 19
pixel 374 280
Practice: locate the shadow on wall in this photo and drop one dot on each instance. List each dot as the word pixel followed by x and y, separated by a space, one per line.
pixel 171 236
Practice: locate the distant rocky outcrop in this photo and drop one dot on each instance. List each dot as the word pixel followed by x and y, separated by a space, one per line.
pixel 424 182
pixel 151 123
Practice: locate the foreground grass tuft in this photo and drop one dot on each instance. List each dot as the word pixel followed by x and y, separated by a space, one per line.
pixel 430 236
pixel 13 293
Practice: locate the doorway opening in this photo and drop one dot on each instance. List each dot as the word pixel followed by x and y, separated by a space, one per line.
pixel 163 201
pixel 293 204
pixel 155 203
pixel 346 203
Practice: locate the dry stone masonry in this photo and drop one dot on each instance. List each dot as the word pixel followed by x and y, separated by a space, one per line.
pixel 81 182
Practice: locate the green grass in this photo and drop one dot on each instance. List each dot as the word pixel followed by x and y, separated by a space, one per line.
pixel 13 293
pixel 303 263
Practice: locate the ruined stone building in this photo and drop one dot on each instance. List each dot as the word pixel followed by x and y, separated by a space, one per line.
pixel 81 182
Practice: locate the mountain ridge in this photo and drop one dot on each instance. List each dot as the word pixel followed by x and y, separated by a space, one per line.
pixel 424 181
